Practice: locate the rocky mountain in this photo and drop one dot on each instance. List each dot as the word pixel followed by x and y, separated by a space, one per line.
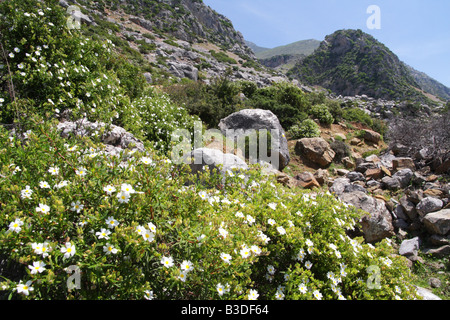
pixel 176 39
pixel 351 62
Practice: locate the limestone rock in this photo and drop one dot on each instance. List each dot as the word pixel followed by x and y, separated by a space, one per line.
pixel 316 150
pixel 438 222
pixel 240 124
pixel 428 205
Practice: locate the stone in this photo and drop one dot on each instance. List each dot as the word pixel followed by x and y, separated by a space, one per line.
pixel 348 163
pixel 438 252
pixel 434 282
pixel 408 207
pixel 183 70
pixel 322 176
pixel 215 159
pixel 390 183
pixel 435 193
pixel 428 205
pixel 400 213
pixel 307 181
pixel 338 186
pixel 409 247
pixel 377 223
pixel 240 124
pixel 403 163
pixel 354 187
pixel 114 136
pixel 148 77
pixel 316 150
pixel 355 176
pixel 375 174
pixel 355 142
pixel 426 294
pixel 438 222
pixel 372 136
pixel 404 177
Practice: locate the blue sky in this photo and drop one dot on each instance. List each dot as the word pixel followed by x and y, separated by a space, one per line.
pixel 418 31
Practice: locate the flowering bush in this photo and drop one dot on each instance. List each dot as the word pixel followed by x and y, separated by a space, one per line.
pixel 131 228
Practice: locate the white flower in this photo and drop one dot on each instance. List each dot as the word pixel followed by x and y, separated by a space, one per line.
pixel 127 188
pixel 253 295
pixel 37 267
pixel 148 295
pixel 108 249
pixel 309 243
pixel 43 208
pixel 111 222
pixel 53 170
pixel 81 171
pixel 44 185
pixel 223 232
pixel 279 295
pixel 281 230
pixel 16 49
pixel 256 250
pixel 103 234
pixel 16 225
pixel 152 227
pixel 187 266
pixel 77 206
pixel 203 195
pixel 41 248
pixel 146 160
pixel 220 289
pixel 182 276
pixel 308 264
pixel 140 230
pixel 167 262
pixel 123 197
pixel 225 257
pixel 24 288
pixel 239 214
pixel 148 236
pixel 245 252
pixel 317 295
pixel 302 287
pixel 250 219
pixel 61 184
pixel 271 222
pixel 68 250
pixel 109 189
pixel 272 205
pixel 271 269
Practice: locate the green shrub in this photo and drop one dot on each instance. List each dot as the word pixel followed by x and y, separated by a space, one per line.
pixel 306 129
pixel 249 239
pixel 322 113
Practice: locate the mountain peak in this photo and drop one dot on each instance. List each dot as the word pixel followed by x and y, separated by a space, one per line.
pixel 352 62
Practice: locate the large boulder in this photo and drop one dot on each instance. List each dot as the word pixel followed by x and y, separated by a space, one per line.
pixel 377 223
pixel 246 123
pixel 316 150
pixel 372 136
pixel 214 159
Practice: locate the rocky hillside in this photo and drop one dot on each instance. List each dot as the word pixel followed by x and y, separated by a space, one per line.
pixel 351 62
pixel 175 39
